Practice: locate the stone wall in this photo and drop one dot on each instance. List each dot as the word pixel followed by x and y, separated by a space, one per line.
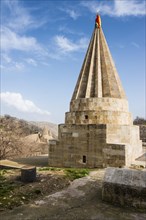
pixel 98 117
pixel 118 134
pixel 96 104
pixel 93 146
pixel 78 146
pixel 99 111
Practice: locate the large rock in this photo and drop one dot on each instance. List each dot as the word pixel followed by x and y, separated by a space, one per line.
pixel 125 187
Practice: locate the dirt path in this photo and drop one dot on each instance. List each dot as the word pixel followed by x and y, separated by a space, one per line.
pixel 81 200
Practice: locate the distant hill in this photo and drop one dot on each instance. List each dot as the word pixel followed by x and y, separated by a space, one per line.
pixel 52 127
pixel 20 138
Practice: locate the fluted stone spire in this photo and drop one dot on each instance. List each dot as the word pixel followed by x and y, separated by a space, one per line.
pixel 98 129
pixel 98 77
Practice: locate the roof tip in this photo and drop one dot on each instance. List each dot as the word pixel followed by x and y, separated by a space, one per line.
pixel 98 21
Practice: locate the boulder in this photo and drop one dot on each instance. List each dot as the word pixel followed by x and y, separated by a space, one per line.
pixel 125 187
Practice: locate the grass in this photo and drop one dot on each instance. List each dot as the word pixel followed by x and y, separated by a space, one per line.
pixel 71 173
pixel 6 189
pixel 49 169
pixel 9 198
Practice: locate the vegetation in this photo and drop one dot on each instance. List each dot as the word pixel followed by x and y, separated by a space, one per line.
pixel 70 173
pixel 11 131
pixel 49 169
pixel 139 121
pixel 5 189
pixel 73 173
pixel 14 193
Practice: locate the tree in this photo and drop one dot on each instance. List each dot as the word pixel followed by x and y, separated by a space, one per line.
pixel 139 121
pixel 9 145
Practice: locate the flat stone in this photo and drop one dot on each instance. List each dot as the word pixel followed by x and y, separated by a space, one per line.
pixel 125 187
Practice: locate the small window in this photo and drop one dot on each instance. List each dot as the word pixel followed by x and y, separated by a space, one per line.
pixel 86 116
pixel 84 159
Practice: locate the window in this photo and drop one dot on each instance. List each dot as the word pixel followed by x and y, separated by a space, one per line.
pixel 86 116
pixel 84 159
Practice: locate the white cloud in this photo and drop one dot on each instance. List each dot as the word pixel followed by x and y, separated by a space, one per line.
pixel 67 30
pixel 23 105
pixel 31 61
pixel 9 64
pixel 2 67
pixel 6 58
pixel 19 18
pixel 73 14
pixel 135 45
pixel 18 66
pixel 117 8
pixel 10 40
pixel 66 45
pixel 127 8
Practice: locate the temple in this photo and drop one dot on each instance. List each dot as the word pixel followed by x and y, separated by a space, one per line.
pixel 98 129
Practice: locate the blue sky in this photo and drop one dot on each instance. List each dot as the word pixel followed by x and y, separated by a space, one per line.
pixel 43 44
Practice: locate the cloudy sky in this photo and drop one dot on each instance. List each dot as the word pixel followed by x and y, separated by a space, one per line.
pixel 43 44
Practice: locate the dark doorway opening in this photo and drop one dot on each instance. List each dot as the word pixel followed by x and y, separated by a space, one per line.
pixel 84 159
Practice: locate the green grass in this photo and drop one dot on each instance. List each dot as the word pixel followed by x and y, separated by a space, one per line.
pixel 49 169
pixel 8 187
pixel 7 198
pixel 5 187
pixel 73 173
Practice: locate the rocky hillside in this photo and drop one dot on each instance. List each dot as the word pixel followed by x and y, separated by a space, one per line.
pixel 50 126
pixel 19 138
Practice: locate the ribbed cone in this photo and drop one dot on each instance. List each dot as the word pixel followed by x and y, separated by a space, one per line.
pixel 98 77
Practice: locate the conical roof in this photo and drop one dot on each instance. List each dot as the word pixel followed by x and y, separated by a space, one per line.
pixel 98 77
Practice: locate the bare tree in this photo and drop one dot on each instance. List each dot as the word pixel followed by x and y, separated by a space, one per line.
pixel 9 145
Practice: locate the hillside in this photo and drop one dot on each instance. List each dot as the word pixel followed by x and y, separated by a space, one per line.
pixel 52 127
pixel 19 138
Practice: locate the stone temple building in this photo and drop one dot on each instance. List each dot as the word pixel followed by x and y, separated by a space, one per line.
pixel 98 129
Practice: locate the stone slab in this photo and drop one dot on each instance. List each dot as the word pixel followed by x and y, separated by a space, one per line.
pixel 125 187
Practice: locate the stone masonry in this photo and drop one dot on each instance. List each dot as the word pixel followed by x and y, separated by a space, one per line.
pixel 125 187
pixel 98 129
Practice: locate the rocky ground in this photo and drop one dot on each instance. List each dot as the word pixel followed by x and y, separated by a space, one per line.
pixel 81 199
pixel 13 192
